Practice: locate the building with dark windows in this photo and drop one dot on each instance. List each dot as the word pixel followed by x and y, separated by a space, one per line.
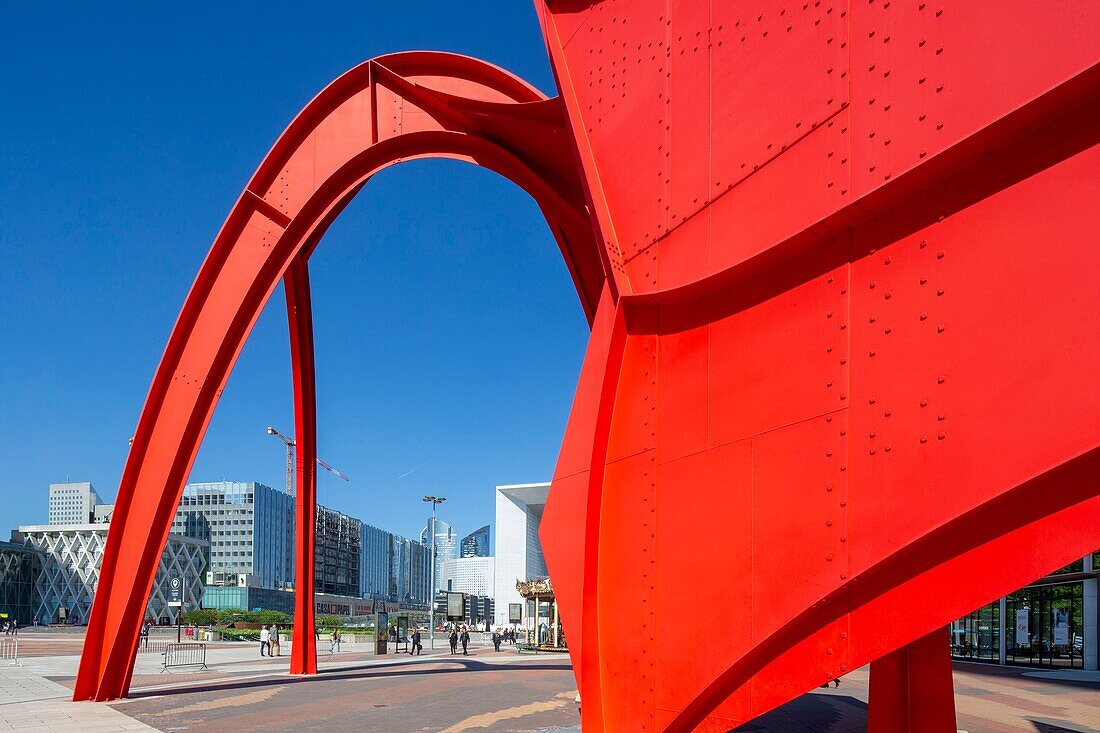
pixel 475 544
pixel 336 558
pixel 1049 623
pixel 19 569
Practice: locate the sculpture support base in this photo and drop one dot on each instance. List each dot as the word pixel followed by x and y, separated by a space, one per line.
pixel 911 688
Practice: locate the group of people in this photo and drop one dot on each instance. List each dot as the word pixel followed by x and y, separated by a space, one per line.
pixel 11 627
pixel 269 641
pixel 457 636
pixel 501 636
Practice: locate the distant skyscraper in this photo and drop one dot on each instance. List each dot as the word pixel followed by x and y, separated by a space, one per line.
pixel 475 544
pixel 72 503
pixel 446 545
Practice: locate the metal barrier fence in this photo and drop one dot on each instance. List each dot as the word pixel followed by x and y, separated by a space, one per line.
pixel 184 654
pixel 9 649
pixel 153 646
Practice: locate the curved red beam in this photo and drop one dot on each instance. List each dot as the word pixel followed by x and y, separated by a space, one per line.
pixel 396 108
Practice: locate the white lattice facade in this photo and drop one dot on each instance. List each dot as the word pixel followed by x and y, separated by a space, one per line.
pixel 71 556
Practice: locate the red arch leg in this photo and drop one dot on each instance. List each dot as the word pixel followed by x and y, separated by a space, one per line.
pixel 911 688
pixel 303 647
pixel 470 111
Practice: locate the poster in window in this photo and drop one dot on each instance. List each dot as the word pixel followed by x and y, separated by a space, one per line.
pixel 1061 626
pixel 1023 632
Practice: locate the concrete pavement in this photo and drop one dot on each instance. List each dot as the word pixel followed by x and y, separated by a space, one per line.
pixel 483 693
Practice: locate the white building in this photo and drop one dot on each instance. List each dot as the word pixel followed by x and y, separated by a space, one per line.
pixel 518 551
pixel 72 503
pixel 71 557
pixel 472 575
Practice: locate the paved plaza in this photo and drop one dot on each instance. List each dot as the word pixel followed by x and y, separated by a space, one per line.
pixel 486 691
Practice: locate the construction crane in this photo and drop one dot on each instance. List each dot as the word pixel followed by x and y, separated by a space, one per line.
pixel 289 443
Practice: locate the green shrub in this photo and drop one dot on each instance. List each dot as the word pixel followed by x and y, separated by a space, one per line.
pixel 240 634
pixel 200 617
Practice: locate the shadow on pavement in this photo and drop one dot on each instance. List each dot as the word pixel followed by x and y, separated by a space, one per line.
pixel 393 669
pixel 1041 727
pixel 812 714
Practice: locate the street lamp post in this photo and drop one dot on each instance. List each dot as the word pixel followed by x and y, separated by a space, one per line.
pixel 434 500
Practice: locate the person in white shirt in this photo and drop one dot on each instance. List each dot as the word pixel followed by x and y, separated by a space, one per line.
pixel 265 642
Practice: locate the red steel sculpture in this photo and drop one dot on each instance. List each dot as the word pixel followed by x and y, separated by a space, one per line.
pixel 840 262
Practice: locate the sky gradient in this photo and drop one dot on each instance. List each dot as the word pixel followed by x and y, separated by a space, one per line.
pixel 448 333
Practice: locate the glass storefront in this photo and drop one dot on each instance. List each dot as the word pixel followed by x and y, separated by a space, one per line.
pixel 1047 626
pixel 1043 626
pixel 978 635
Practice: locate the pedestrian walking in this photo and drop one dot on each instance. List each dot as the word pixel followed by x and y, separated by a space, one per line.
pixel 465 641
pixel 13 627
pixel 265 642
pixel 335 641
pixel 415 647
pixel 496 640
pixel 145 634
pixel 276 650
pixel 453 638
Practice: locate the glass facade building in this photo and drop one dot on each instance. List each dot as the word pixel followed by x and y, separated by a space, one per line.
pixel 475 544
pixel 411 573
pixel 250 528
pixel 19 570
pixel 336 567
pixel 376 563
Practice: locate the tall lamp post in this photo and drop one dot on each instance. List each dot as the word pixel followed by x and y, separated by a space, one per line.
pixel 434 500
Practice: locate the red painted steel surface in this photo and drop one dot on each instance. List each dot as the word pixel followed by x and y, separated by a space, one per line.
pixel 839 261
pixel 854 247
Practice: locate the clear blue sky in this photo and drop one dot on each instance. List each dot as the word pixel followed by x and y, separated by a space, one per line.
pixel 448 333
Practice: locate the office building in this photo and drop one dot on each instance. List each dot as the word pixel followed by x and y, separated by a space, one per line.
pixel 70 559
pixel 475 544
pixel 249 528
pixel 336 557
pixel 479 610
pixel 518 552
pixel 376 551
pixel 411 573
pixel 446 545
pixel 469 575
pixel 393 568
pixel 19 569
pixel 72 503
